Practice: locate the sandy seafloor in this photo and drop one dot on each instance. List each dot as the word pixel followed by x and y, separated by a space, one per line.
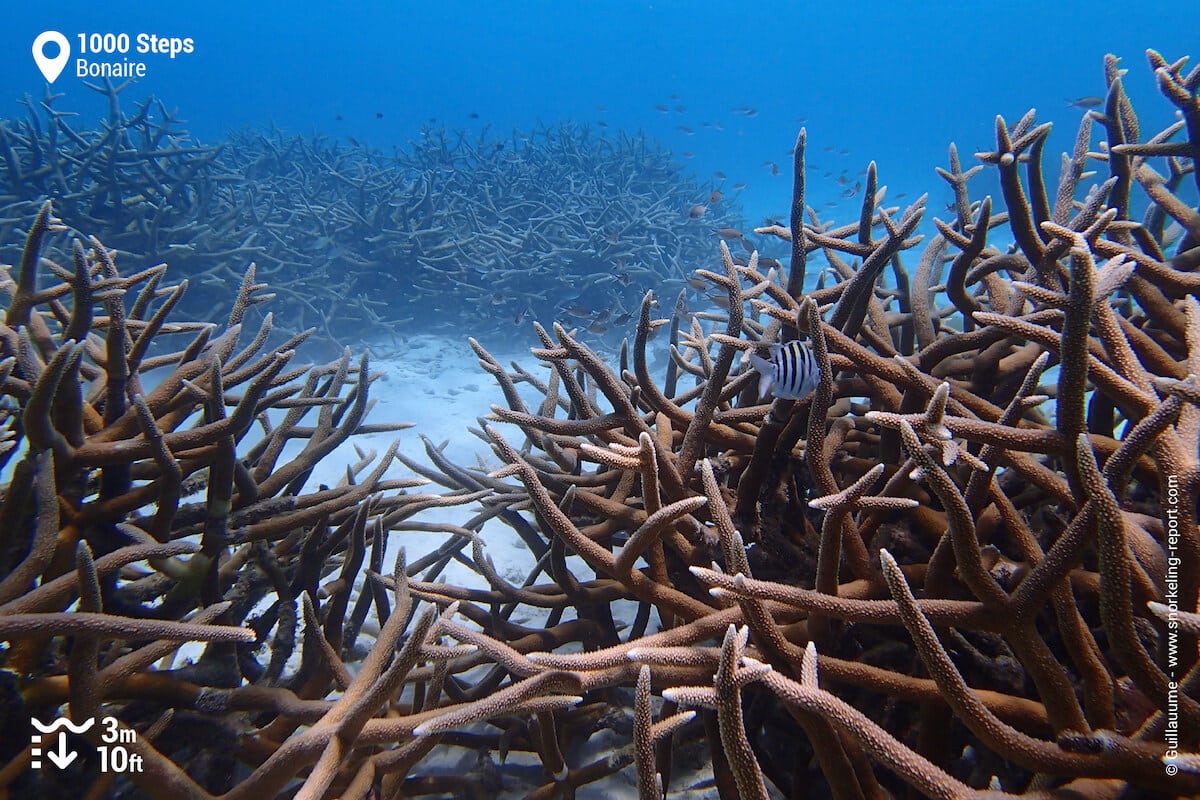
pixel 436 383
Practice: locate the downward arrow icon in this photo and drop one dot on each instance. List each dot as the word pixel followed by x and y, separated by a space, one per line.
pixel 63 758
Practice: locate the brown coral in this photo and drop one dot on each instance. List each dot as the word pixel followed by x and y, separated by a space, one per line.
pixel 947 545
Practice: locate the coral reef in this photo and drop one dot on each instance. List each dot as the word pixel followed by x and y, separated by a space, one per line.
pixel 966 566
pixel 559 220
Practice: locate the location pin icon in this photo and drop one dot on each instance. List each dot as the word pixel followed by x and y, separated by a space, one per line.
pixel 51 67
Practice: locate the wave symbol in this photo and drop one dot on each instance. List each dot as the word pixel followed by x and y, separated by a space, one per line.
pixel 62 722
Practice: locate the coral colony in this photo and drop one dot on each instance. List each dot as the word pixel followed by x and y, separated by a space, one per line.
pixel 966 564
pixel 456 231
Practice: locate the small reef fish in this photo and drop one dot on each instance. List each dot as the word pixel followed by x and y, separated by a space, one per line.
pixel 697 211
pixel 728 234
pixel 719 300
pixel 715 196
pixel 1084 103
pixel 791 373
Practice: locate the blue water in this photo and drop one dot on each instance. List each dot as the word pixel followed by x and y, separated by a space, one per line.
pixel 886 81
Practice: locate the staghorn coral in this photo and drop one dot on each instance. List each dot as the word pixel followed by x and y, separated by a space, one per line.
pixel 98 513
pixel 1018 442
pixel 138 181
pixel 1034 531
pixel 559 220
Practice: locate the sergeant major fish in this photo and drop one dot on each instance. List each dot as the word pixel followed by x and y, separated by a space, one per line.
pixel 791 373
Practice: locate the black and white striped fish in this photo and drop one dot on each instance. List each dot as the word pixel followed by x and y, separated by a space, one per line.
pixel 792 372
